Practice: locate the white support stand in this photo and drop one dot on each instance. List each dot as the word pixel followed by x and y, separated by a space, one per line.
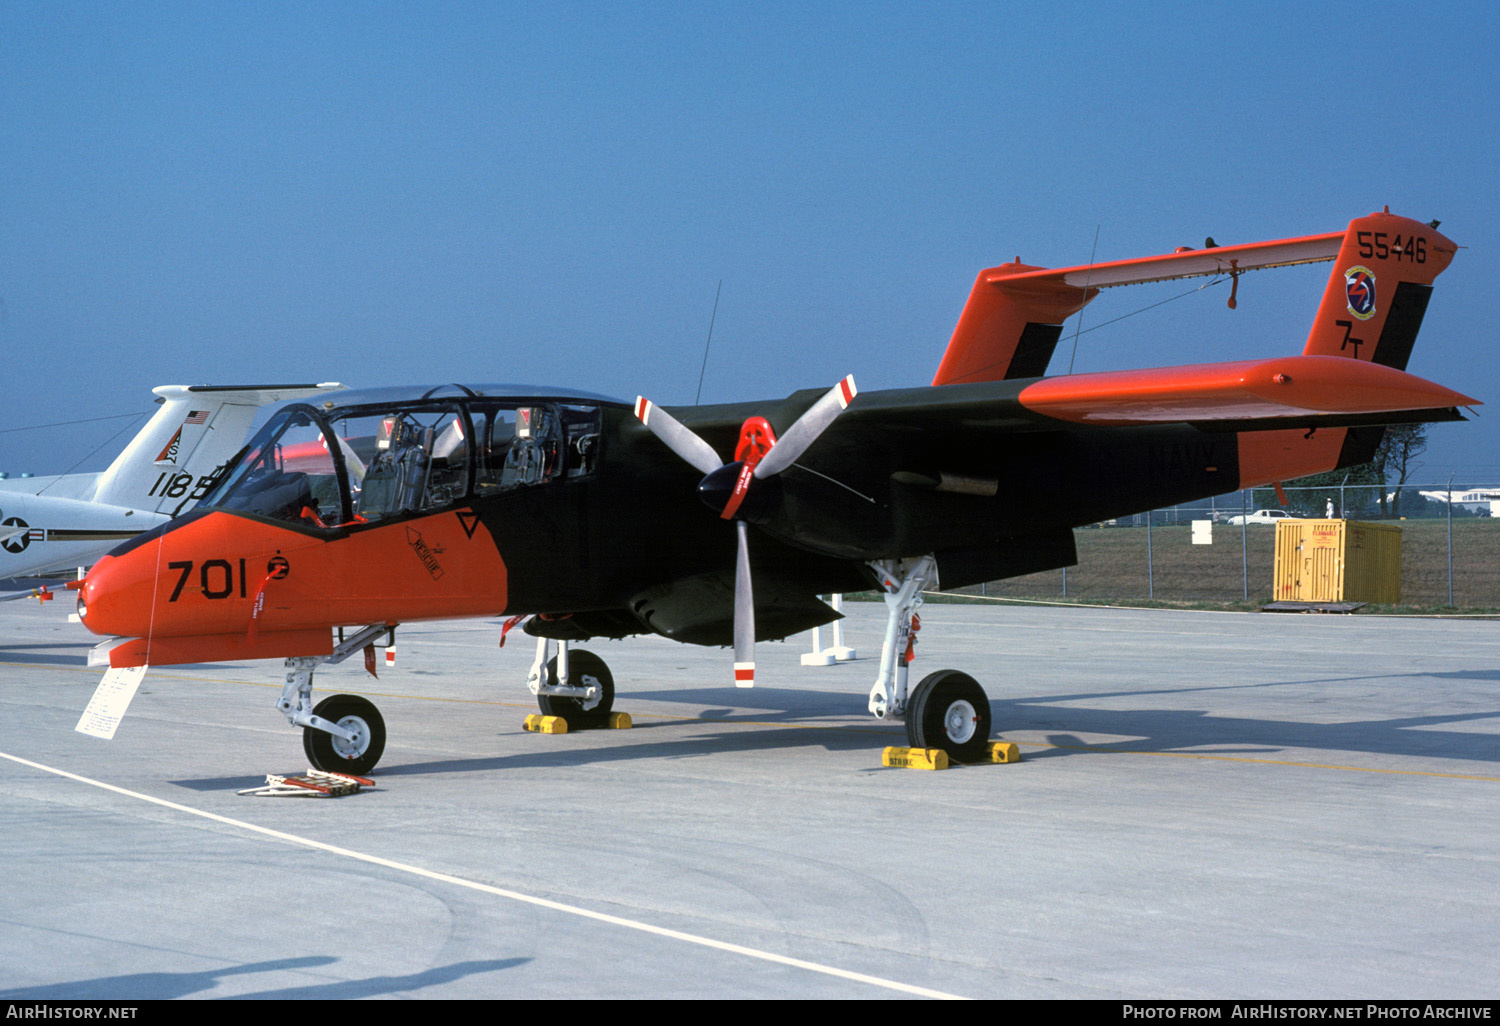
pixel 841 652
pixel 838 651
pixel 819 656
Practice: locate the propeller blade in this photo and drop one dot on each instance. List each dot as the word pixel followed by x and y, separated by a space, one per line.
pixel 807 429
pixel 744 613
pixel 678 438
pixel 749 465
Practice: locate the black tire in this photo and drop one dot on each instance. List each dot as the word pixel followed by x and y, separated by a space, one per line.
pixel 581 664
pixel 335 755
pixel 949 710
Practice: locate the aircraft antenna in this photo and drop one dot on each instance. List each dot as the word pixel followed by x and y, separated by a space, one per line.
pixel 1076 328
pixel 70 423
pixel 1162 302
pixel 711 318
pixel 91 455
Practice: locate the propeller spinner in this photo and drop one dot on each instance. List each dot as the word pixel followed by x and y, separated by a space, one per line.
pixel 735 488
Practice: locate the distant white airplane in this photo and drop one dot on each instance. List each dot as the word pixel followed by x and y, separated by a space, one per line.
pixel 54 524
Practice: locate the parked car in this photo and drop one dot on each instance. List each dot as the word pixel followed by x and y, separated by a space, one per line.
pixel 1261 516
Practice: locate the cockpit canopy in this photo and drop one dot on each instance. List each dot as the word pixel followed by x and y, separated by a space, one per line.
pixel 365 463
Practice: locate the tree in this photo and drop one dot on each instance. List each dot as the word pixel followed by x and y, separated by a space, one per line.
pixel 1349 489
pixel 1397 455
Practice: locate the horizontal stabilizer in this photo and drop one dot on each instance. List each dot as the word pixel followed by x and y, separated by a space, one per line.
pixel 1284 387
pixel 1186 263
pixel 1013 318
pixel 251 395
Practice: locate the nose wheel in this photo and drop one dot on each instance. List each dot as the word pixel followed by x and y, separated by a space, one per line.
pixel 356 755
pixel 949 710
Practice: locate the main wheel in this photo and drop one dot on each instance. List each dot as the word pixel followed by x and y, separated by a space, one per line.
pixel 949 710
pixel 584 669
pixel 335 755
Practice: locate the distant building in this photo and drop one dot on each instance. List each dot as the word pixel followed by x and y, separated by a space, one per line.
pixel 1481 501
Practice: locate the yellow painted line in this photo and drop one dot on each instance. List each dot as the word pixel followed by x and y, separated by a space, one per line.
pixel 95 670
pixel 500 892
pixel 1266 762
pixel 836 726
pixel 159 675
pixel 979 600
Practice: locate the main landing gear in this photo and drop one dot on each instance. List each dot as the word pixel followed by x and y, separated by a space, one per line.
pixel 948 709
pixel 342 733
pixel 578 685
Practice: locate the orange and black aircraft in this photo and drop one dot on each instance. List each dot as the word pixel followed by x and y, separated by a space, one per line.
pixel 345 517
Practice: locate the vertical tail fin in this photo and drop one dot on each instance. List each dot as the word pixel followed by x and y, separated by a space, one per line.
pixel 1378 291
pixel 1004 333
pixel 1371 310
pixel 196 430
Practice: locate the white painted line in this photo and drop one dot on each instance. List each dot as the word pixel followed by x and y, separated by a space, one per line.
pixel 630 924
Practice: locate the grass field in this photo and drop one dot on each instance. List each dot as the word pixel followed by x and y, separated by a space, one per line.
pixel 1113 567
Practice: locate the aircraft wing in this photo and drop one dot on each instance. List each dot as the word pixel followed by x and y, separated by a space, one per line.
pixel 1308 387
pixel 1308 391
pixel 977 429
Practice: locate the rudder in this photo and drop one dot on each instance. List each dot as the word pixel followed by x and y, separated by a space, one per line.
pixel 1378 291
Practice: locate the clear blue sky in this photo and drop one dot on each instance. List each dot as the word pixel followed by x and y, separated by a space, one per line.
pixel 384 193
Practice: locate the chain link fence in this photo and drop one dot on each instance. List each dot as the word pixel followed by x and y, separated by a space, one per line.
pixel 1450 550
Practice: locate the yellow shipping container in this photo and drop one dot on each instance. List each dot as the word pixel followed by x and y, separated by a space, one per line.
pixel 1337 561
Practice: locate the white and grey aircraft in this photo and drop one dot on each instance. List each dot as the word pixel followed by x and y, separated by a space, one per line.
pixel 55 524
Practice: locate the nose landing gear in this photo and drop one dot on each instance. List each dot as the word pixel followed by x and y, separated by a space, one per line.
pixel 355 755
pixel 342 733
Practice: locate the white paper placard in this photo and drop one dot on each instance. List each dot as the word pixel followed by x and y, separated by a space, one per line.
pixel 111 699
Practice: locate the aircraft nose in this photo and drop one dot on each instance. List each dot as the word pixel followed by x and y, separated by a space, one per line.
pixel 116 598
